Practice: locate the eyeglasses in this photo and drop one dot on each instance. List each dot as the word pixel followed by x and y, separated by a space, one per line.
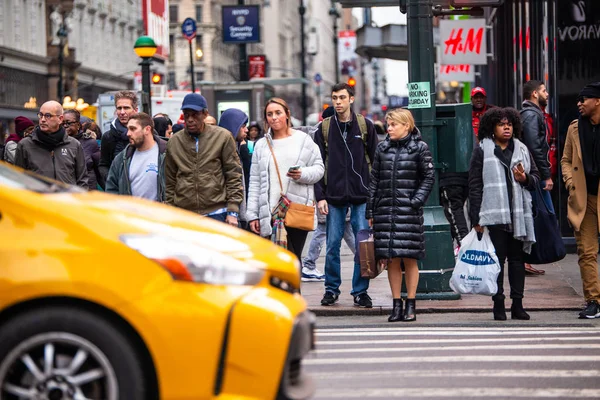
pixel 581 99
pixel 47 115
pixel 69 123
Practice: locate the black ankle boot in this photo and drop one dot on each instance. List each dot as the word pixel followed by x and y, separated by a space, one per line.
pixel 396 311
pixel 517 311
pixel 499 310
pixel 410 313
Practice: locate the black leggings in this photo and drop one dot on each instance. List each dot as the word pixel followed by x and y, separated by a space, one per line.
pixel 509 247
pixel 296 239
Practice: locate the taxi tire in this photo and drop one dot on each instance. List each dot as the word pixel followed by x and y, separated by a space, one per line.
pixel 119 351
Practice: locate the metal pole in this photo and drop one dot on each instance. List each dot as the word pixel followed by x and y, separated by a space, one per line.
pixel 147 106
pixel 193 76
pixel 432 284
pixel 61 86
pixel 302 11
pixel 335 48
pixel 243 56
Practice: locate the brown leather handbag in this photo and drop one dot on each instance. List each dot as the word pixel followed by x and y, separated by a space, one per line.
pixel 299 216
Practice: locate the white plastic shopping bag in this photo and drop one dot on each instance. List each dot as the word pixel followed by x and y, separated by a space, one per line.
pixel 477 266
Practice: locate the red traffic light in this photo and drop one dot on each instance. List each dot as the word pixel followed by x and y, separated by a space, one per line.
pixel 156 79
pixel 351 82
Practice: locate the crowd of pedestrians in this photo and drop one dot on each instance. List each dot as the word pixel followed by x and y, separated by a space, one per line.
pixel 248 175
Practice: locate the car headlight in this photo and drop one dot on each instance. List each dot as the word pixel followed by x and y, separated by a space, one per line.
pixel 187 261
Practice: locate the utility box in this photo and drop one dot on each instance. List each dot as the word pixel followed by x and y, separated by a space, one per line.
pixel 455 136
pixel 250 97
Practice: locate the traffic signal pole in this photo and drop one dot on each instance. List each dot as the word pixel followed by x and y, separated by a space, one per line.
pixel 437 266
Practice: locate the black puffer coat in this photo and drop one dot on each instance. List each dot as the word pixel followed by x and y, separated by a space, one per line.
pixel 401 179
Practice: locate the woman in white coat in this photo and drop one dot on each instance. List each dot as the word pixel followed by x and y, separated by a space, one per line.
pixel 300 165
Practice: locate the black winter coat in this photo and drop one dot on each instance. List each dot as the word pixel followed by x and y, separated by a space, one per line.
pixel 534 136
pixel 401 180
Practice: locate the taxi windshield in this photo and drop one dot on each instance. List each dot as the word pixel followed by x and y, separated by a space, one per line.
pixel 30 181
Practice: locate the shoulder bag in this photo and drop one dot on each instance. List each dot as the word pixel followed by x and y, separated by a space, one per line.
pixel 299 216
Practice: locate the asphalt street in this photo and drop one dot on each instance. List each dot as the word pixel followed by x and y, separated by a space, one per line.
pixel 458 355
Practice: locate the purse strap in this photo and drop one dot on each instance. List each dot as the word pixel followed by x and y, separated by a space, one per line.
pixel 275 162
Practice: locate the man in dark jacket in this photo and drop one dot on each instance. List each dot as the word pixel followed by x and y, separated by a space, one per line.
pixel 72 125
pixel 139 169
pixel 115 140
pixel 50 152
pixel 535 137
pixel 347 153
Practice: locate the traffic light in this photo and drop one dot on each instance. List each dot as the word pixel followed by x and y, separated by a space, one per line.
pixel 157 78
pixel 352 81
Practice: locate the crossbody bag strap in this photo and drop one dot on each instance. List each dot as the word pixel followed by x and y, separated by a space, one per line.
pixel 275 162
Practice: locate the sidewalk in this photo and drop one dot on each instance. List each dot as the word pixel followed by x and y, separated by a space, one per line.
pixel 559 289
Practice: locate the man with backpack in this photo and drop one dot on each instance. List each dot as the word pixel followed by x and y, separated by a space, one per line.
pixel 347 142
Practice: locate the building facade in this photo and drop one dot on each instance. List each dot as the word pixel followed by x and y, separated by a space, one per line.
pixel 95 54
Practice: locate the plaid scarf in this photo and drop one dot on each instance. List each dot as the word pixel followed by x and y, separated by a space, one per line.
pixel 495 207
pixel 279 234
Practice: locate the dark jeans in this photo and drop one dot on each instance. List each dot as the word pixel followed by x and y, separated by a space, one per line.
pixel 509 247
pixel 453 198
pixel 296 239
pixel 219 217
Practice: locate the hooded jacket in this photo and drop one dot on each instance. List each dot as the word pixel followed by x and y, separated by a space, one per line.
pixel 11 147
pixel 113 142
pixel 346 166
pixel 401 180
pixel 203 174
pixel 535 136
pixel 233 119
pixel 118 176
pixel 65 163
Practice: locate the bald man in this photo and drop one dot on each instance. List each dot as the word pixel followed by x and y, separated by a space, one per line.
pixel 210 120
pixel 50 151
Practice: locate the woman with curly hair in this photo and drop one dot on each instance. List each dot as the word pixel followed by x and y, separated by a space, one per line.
pixel 501 174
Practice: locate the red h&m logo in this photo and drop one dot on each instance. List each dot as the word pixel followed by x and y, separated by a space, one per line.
pixel 471 42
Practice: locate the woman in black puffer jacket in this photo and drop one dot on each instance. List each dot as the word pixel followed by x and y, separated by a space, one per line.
pixel 401 179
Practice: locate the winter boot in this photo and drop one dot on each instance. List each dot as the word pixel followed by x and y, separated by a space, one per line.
pixel 410 313
pixel 396 311
pixel 499 310
pixel 517 311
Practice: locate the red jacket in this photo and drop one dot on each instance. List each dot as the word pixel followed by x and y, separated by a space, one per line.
pixel 476 116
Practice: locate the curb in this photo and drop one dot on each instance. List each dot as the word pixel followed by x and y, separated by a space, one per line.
pixel 333 311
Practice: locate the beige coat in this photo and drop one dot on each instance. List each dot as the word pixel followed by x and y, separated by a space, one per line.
pixel 574 177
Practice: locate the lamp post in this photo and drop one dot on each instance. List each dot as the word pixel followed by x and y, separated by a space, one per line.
pixel 145 48
pixel 302 11
pixel 335 14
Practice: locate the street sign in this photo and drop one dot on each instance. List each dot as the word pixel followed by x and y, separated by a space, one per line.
pixel 463 41
pixel 419 95
pixel 188 29
pixel 257 66
pixel 318 78
pixel 241 24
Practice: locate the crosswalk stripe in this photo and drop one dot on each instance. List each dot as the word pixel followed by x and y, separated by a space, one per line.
pixel 402 332
pixel 558 346
pixel 461 373
pixel 475 392
pixel 454 340
pixel 453 359
pixel 395 328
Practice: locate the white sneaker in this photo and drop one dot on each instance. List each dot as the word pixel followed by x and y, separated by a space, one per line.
pixel 312 275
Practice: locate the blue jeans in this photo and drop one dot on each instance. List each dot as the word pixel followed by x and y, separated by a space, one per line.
pixel 336 221
pixel 318 240
pixel 219 217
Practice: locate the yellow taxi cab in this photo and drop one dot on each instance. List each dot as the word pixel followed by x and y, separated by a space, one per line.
pixel 111 297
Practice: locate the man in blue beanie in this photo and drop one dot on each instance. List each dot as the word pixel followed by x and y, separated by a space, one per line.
pixel 203 173
pixel 236 121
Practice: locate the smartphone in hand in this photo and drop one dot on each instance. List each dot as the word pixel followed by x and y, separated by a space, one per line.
pixel 520 168
pixel 294 168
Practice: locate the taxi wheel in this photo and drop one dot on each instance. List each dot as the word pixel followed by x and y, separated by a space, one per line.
pixel 65 353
